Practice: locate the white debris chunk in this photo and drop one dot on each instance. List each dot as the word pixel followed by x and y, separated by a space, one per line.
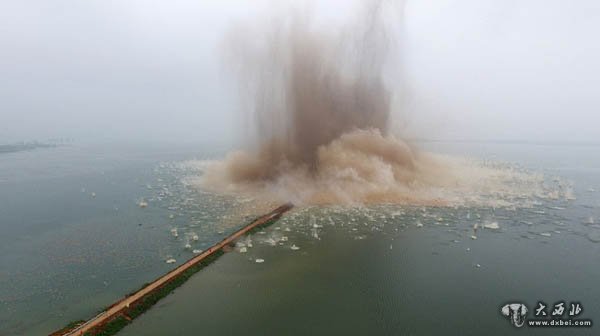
pixel 594 236
pixel 260 261
pixel 492 226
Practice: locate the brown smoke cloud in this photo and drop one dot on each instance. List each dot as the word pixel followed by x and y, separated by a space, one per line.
pixel 307 87
pixel 321 111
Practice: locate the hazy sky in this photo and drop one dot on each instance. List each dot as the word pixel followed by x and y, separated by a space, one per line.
pixel 143 69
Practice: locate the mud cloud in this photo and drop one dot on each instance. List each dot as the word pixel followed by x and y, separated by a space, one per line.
pixel 319 109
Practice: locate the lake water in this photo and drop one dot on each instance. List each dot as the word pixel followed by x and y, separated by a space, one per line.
pixel 74 239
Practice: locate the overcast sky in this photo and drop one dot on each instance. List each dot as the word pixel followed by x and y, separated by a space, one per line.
pixel 123 69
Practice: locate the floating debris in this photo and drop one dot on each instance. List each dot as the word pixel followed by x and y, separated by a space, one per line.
pixel 492 226
pixel 197 251
pixel 188 246
pixel 419 224
pixel 478 265
pixel 243 249
pixel 143 204
pixel 594 236
pixel 546 234
pixel 93 194
pixel 294 247
pixel 195 237
pixel 473 237
pixel 171 261
pixel 260 261
pixel 174 232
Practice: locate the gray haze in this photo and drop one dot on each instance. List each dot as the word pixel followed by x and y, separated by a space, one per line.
pixel 153 70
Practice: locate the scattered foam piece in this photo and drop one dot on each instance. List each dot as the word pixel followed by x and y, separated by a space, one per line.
pixel 492 226
pixel 594 236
